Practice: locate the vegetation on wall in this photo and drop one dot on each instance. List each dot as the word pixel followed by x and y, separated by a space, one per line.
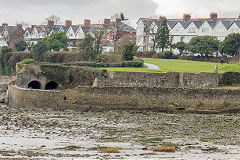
pixel 70 76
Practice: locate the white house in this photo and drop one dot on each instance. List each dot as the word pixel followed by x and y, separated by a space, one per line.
pixel 183 30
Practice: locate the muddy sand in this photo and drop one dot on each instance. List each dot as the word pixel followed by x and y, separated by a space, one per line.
pixel 47 134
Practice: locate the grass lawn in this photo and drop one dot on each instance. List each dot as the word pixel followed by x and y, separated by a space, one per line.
pixel 174 65
pixel 131 69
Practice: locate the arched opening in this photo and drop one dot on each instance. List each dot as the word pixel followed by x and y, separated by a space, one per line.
pixel 34 85
pixel 51 85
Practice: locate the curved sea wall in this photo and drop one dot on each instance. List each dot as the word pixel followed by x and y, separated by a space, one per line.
pixel 106 98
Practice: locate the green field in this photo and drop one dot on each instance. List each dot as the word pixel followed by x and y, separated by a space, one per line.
pixel 174 65
pixel 132 69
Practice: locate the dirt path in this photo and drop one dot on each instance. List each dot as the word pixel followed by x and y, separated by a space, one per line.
pixel 47 134
pixel 152 66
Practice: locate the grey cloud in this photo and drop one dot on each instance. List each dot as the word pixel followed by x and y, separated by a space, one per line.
pixel 34 11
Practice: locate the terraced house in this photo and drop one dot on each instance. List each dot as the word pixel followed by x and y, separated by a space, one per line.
pixel 183 30
pixel 76 33
pixel 9 35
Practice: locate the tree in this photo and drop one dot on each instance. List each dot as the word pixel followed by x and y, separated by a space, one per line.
pixel 128 52
pixel 54 18
pixel 205 45
pixel 230 45
pixel 6 49
pixel 20 45
pixel 86 48
pixel 181 46
pixel 38 49
pixel 57 41
pixel 162 37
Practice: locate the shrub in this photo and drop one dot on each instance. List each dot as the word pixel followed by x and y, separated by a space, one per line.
pixel 109 58
pixel 230 78
pixel 128 52
pixel 21 45
pixel 158 55
pixel 145 54
pixel 6 49
pixel 39 49
pixel 25 61
pixel 168 55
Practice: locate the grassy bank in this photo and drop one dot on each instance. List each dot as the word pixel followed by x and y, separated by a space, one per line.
pixel 173 65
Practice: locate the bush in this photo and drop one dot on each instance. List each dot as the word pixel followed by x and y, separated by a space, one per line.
pixel 6 49
pixel 25 61
pixel 168 55
pixel 109 58
pixel 158 55
pixel 145 54
pixel 21 45
pixel 128 52
pixel 230 78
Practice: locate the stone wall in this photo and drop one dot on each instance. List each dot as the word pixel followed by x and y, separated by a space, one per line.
pixel 106 98
pixel 127 79
pixel 167 80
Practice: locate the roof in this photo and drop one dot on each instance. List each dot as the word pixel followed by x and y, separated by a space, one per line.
pixel 227 22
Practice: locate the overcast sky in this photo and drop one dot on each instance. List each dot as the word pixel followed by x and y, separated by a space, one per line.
pixel 35 11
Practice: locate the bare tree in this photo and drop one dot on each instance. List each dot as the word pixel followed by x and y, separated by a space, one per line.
pixel 54 18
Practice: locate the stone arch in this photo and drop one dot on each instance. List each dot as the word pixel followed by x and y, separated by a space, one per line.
pixel 34 85
pixel 51 85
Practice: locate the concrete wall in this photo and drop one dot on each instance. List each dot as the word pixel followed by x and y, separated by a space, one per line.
pixel 106 98
pixel 167 80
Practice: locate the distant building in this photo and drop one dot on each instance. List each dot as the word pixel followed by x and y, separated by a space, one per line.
pixel 10 35
pixel 76 33
pixel 183 30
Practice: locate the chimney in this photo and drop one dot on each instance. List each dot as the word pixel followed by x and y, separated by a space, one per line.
pixel 87 22
pixel 4 24
pixel 19 25
pixel 161 18
pixel 106 21
pixel 68 23
pixel 213 16
pixel 118 20
pixel 187 17
pixel 50 23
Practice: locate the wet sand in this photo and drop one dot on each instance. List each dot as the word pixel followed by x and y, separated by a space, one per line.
pixel 47 134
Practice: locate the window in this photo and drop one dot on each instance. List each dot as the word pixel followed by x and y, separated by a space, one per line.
pixel 192 30
pixel 205 30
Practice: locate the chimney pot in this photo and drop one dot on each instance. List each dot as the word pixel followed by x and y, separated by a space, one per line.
pixel 106 21
pixel 187 17
pixel 68 23
pixel 87 22
pixel 50 23
pixel 5 24
pixel 213 16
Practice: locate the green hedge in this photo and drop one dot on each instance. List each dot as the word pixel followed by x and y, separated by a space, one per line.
pixel 230 78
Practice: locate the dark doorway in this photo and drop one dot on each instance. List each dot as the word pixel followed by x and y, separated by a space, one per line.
pixel 34 85
pixel 51 85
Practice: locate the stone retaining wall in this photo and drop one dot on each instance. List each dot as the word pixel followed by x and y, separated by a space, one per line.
pixel 165 80
pixel 106 98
